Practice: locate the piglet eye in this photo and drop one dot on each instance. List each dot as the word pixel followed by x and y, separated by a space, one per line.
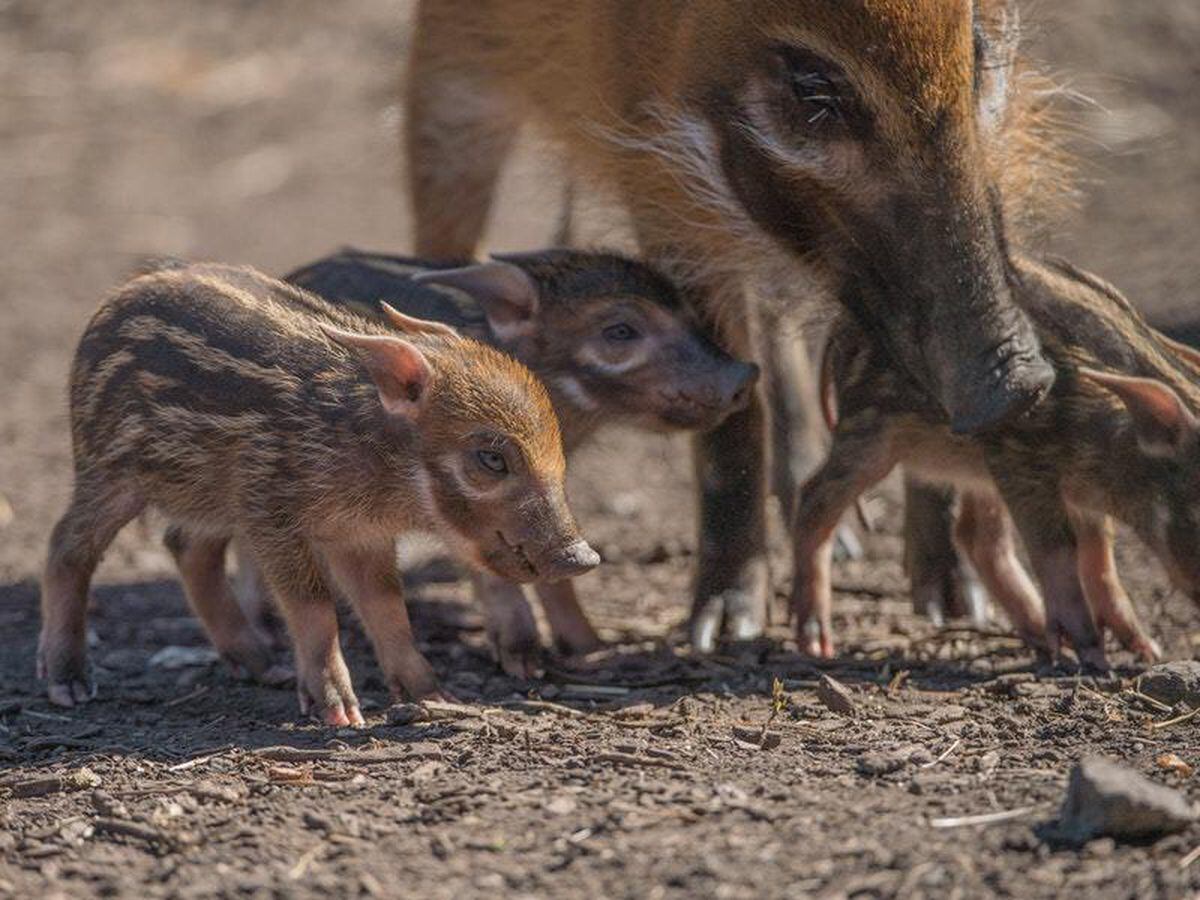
pixel 493 461
pixel 620 332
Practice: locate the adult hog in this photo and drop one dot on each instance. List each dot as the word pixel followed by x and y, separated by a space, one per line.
pixel 868 155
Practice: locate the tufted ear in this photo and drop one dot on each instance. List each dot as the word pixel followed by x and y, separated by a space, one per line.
pixel 413 325
pixel 400 371
pixel 506 293
pixel 1162 420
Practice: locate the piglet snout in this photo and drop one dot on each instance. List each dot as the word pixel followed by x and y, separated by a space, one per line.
pixel 572 560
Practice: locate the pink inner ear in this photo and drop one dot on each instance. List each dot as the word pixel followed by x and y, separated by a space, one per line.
pixel 1158 412
pixel 404 372
pixel 504 291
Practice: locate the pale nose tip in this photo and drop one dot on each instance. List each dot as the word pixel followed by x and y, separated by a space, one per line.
pixel 575 559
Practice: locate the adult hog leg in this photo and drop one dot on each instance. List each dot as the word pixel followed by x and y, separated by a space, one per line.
pixel 573 634
pixel 201 563
pixel 859 458
pixel 366 573
pixel 1045 527
pixel 733 580
pixel 942 587
pixel 511 628
pixel 453 114
pixel 322 680
pixel 96 513
pixel 984 534
pixel 1106 596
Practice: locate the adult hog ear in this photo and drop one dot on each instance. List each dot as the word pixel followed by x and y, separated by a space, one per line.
pixel 506 293
pixel 400 371
pixel 413 325
pixel 1162 420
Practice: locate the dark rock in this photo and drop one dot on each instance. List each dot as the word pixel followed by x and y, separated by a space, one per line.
pixel 1173 682
pixel 836 697
pixel 1106 799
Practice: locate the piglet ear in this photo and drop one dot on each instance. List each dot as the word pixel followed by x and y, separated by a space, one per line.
pixel 400 371
pixel 1162 420
pixel 507 294
pixel 413 325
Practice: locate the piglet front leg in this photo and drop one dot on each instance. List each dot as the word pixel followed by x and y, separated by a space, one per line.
pixel 1106 596
pixel 858 458
pixel 573 634
pixel 511 627
pixel 366 572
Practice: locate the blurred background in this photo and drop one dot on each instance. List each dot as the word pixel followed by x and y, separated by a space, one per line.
pixel 266 133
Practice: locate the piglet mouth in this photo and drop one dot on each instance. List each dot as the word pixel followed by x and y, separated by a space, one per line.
pixel 685 410
pixel 517 552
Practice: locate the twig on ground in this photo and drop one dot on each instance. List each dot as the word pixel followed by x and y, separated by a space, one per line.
pixel 945 753
pixel 179 701
pixel 632 759
pixel 984 819
pixel 78 780
pixel 1178 720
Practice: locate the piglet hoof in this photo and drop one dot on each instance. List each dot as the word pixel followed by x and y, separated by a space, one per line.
pixel 517 649
pixel 336 705
pixel 579 642
pixel 277 676
pixel 70 693
pixel 524 663
pixel 816 641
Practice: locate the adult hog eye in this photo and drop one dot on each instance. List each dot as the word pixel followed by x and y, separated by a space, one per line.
pixel 493 461
pixel 819 95
pixel 621 332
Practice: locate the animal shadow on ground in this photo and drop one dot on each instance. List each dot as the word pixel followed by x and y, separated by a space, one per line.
pixel 163 695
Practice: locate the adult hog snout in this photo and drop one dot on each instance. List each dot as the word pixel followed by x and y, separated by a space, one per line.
pixel 941 303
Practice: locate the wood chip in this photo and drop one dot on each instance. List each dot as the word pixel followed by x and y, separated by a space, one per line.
pixel 290 774
pixel 756 737
pixel 78 780
pixel 148 833
pixel 632 759
pixel 1174 763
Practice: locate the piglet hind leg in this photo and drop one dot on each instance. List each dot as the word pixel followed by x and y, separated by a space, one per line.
pixel 366 572
pixel 1044 525
pixel 1102 586
pixel 942 586
pixel 201 562
pixel 323 684
pixel 511 628
pixel 572 633
pixel 97 512
pixel 858 459
pixel 984 534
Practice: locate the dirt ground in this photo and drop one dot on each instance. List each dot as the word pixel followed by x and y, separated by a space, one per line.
pixel 264 133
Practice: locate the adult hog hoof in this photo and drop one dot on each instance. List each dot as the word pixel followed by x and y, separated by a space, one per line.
pixel 736 611
pixel 949 590
pixel 846 545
